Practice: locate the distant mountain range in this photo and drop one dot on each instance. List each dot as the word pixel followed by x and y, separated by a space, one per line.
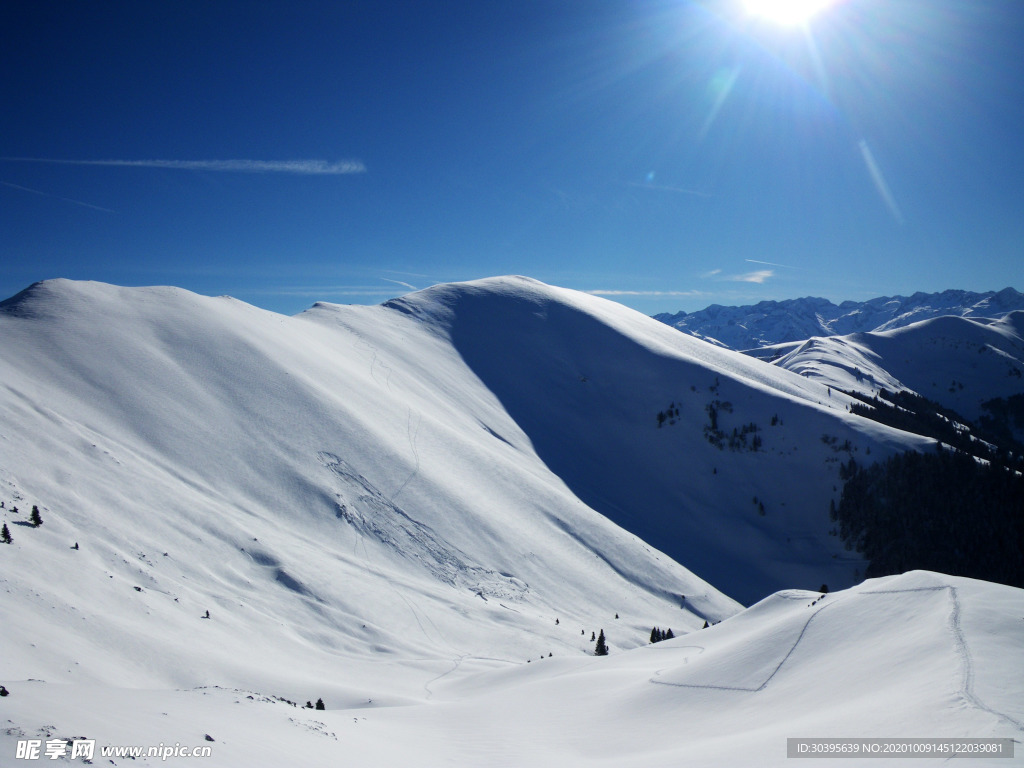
pixel 779 322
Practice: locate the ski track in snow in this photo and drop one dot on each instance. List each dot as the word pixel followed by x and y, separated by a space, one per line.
pixel 456 663
pixel 412 434
pixel 962 651
pixel 767 680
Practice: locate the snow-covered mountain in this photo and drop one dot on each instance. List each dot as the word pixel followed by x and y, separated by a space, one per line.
pixel 958 362
pixel 776 322
pixel 405 504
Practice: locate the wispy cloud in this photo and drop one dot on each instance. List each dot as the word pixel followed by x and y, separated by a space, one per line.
pixel 759 276
pixel 57 197
pixel 666 188
pixel 614 292
pixel 320 292
pixel 771 264
pixel 299 167
pixel 401 283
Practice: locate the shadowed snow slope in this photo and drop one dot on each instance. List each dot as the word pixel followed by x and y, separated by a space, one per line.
pixel 585 379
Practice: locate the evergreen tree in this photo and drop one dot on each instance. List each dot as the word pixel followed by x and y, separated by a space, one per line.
pixel 601 649
pixel 320 704
pixel 668 634
pixel 35 519
pixel 5 535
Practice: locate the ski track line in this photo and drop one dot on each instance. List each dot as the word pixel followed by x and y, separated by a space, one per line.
pixel 456 663
pixel 412 435
pixel 961 649
pixel 963 653
pixel 768 679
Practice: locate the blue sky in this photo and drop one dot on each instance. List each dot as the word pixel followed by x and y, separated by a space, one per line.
pixel 666 154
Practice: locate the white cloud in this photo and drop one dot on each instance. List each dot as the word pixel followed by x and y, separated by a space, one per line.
pixel 612 292
pixel 759 276
pixel 301 167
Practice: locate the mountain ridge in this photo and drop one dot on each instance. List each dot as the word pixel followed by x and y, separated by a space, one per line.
pixel 776 322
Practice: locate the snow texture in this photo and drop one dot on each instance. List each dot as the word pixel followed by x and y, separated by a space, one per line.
pixel 420 512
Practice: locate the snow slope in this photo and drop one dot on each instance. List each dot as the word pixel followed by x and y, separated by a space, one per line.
pixel 324 489
pixel 915 656
pixel 401 505
pixel 778 322
pixel 955 361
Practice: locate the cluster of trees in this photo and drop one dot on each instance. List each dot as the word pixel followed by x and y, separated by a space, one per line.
pixel 943 511
pixel 1002 421
pixel 670 415
pixel 657 635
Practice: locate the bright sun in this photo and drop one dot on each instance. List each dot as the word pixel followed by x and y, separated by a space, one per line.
pixel 787 12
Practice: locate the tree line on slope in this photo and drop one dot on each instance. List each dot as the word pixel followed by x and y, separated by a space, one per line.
pixel 941 511
pixel 958 510
pixel 988 438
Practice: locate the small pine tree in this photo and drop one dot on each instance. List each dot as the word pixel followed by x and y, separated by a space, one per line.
pixel 668 634
pixel 34 518
pixel 601 649
pixel 655 635
pixel 5 535
pixel 320 704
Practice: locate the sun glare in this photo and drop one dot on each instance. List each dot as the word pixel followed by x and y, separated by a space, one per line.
pixel 786 12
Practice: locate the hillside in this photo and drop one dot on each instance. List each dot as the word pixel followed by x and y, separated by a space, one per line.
pixel 792 320
pixel 405 504
pixel 919 655
pixel 586 380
